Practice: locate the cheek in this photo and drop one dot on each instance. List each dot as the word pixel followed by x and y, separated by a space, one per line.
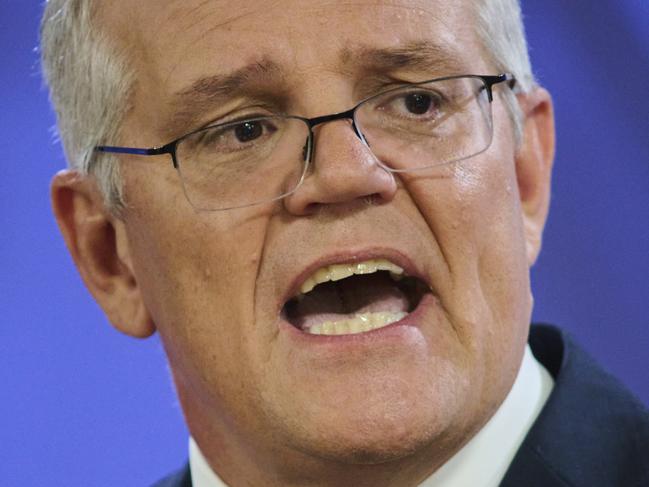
pixel 496 259
pixel 197 274
pixel 497 311
pixel 472 210
pixel 185 260
pixel 474 215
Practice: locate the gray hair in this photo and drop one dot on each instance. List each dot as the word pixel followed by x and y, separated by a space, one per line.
pixel 502 33
pixel 91 80
pixel 90 84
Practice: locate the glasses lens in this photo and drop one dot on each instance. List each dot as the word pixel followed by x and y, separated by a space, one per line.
pixel 427 124
pixel 243 163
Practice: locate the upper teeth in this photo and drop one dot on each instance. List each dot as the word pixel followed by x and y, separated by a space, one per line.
pixel 337 272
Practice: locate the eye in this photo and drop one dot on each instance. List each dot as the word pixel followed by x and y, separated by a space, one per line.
pixel 248 131
pixel 246 135
pixel 411 105
pixel 418 103
pixel 421 104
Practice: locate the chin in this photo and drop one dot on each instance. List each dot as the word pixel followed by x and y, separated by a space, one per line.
pixel 370 448
pixel 378 430
pixel 377 445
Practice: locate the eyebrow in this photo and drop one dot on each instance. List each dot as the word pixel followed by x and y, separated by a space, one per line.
pixel 213 90
pixel 415 56
pixel 259 78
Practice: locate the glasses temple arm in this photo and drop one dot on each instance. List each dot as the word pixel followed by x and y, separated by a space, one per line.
pixel 154 151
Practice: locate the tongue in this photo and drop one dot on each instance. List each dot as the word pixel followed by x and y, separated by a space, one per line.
pixel 335 301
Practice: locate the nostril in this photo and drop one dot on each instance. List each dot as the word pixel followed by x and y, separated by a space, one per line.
pixel 374 200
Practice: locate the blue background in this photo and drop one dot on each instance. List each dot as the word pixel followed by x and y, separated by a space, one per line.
pixel 86 406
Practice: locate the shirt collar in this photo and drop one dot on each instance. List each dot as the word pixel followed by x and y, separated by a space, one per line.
pixel 484 460
pixel 478 462
pixel 202 473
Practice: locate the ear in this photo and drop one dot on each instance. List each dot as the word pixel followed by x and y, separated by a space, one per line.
pixel 99 246
pixel 534 160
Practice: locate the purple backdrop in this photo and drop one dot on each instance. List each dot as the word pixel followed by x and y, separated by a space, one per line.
pixel 86 406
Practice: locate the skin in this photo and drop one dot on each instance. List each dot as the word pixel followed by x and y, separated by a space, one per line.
pixel 266 408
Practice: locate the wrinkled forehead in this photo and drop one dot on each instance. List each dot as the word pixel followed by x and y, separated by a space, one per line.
pixel 173 33
pixel 175 43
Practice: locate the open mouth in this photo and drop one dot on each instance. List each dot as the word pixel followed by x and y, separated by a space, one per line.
pixel 344 299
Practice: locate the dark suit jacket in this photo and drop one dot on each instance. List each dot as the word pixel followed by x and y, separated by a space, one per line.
pixel 591 433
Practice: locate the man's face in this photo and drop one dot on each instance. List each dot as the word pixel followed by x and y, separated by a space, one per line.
pixel 216 284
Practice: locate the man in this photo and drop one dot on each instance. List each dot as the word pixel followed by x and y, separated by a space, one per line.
pixel 328 210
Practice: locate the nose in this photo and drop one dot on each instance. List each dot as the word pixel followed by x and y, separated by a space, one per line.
pixel 343 172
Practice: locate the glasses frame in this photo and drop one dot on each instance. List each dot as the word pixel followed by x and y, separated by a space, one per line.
pixel 170 148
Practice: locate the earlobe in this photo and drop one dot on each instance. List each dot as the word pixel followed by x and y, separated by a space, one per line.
pixel 99 247
pixel 534 161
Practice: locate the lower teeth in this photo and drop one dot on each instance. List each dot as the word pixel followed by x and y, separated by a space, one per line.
pixel 358 324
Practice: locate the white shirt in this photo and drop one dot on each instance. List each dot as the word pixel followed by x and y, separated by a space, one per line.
pixel 484 460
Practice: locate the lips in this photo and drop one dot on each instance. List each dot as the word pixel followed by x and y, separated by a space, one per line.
pixel 344 298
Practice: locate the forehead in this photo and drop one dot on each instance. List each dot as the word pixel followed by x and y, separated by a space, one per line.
pixel 175 43
pixel 175 33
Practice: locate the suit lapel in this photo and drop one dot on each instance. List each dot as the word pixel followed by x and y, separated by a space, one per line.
pixel 591 432
pixel 182 478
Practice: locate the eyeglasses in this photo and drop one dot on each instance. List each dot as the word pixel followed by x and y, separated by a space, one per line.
pixel 260 159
